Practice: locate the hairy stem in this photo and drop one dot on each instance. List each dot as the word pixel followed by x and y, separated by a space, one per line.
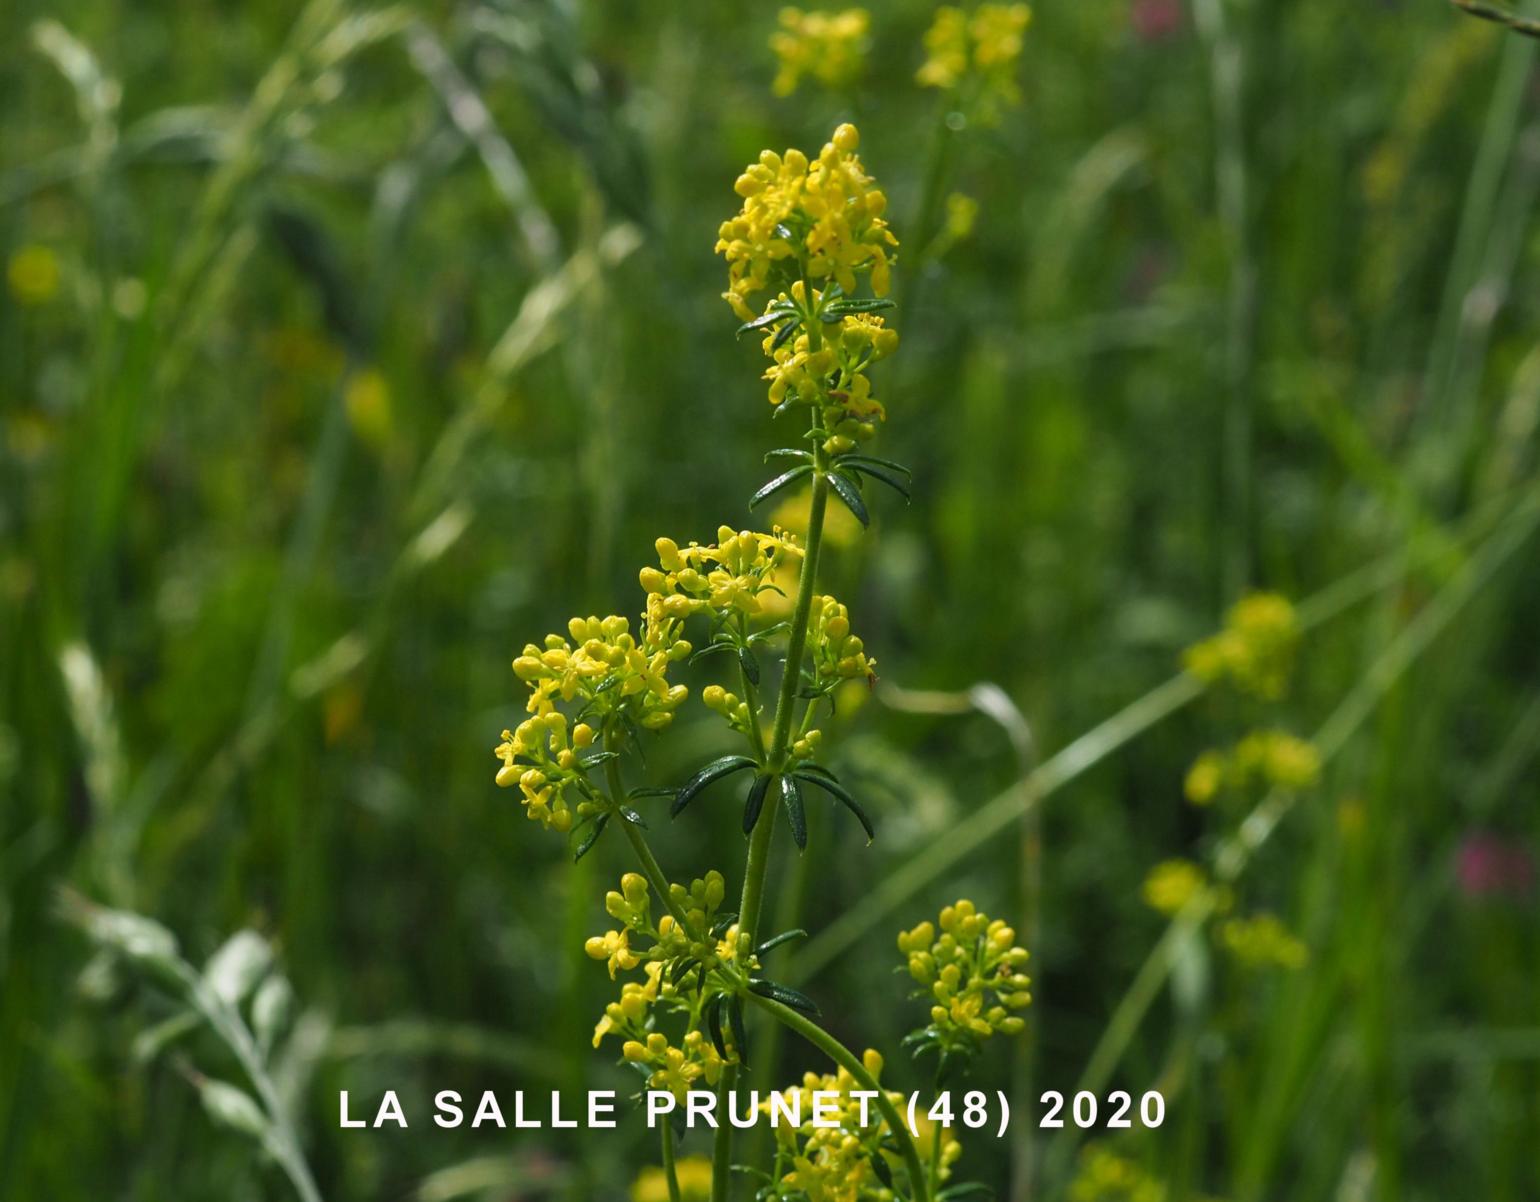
pixel 851 1063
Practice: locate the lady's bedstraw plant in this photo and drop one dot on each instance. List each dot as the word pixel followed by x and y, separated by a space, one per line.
pixel 809 234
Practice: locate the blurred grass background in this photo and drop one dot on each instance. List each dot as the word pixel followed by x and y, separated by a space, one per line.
pixel 344 349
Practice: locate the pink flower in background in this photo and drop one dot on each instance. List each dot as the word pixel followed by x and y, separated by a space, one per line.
pixel 1488 866
pixel 1155 19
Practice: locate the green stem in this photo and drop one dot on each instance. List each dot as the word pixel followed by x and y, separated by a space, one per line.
pixel 650 866
pixel 935 1157
pixel 851 1063
pixel 759 841
pixel 668 1162
pixel 722 1143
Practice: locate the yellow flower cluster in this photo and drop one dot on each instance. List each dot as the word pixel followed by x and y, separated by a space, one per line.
pixel 691 1173
pixel 1272 758
pixel 1171 884
pixel 837 654
pixel 835 1164
pixel 821 218
pixel 676 1069
pixel 539 757
pixel 829 47
pixel 605 669
pixel 833 376
pixel 727 578
pixel 628 1017
pixel 1105 1176
pixel 979 50
pixel 972 972
pixel 1262 941
pixel 1254 651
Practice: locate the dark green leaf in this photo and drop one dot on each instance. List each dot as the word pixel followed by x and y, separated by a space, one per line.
pixel 849 494
pixel 714 1025
pixel 882 474
pixel 787 477
pixel 861 305
pixel 791 798
pixel 782 337
pixel 841 794
pixel 711 649
pixel 735 1020
pixel 784 994
pixel 651 791
pixel 970 1191
pixel 878 461
pixel 783 937
pixel 593 837
pixel 632 817
pixel 713 771
pixel 719 928
pixel 749 664
pixel 769 632
pixel 755 801
pixel 599 757
pixel 760 323
pixel 789 453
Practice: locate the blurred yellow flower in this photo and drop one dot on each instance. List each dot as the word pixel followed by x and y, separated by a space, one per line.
pixel 367 402
pixel 1171 884
pixel 1254 651
pixel 693 1173
pixel 1262 941
pixel 827 46
pixel 33 274
pixel 976 53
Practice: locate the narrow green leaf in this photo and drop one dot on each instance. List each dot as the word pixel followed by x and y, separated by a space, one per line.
pixel 651 791
pixel 749 664
pixel 861 304
pixel 632 817
pixel 735 1021
pixel 713 771
pixel 885 476
pixel 891 464
pixel 789 453
pixel 849 494
pixel 841 794
pixel 755 801
pixel 785 995
pixel 587 844
pixel 776 941
pixel 791 798
pixel 714 1025
pixel 760 323
pixel 782 337
pixel 780 482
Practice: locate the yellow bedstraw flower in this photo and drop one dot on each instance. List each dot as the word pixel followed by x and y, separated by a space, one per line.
pixel 1105 1176
pixel 1262 941
pixel 837 654
pixel 976 53
pixel 821 216
pixel 1171 884
pixel 1254 651
pixel 972 974
pixel 691 1173
pixel 726 577
pixel 1268 758
pixel 33 274
pixel 835 1164
pixel 827 46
